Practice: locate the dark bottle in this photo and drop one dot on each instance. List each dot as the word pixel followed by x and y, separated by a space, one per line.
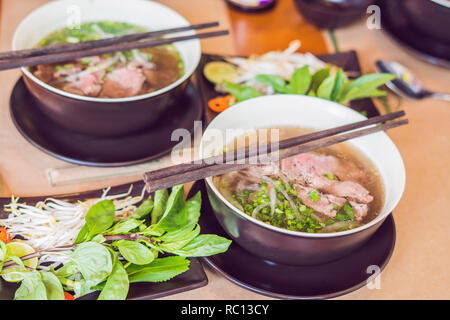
pixel 252 5
pixel 330 14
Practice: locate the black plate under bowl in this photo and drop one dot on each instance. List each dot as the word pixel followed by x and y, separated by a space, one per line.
pixel 139 147
pixel 192 279
pixel 427 48
pixel 323 281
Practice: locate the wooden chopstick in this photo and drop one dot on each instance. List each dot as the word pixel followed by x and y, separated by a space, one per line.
pixel 66 56
pixel 250 152
pixel 99 43
pixel 218 169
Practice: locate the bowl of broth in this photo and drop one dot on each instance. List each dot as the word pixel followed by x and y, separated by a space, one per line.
pixel 110 94
pixel 314 207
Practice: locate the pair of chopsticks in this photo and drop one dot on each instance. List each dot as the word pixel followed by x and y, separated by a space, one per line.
pixel 66 52
pixel 217 165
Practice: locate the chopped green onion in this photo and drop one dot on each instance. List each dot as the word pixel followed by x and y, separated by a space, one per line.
pixel 329 176
pixel 349 211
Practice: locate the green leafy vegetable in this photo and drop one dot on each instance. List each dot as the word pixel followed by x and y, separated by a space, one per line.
pixel 276 82
pixel 134 252
pixel 174 216
pixel 161 197
pixel 204 245
pixel 300 81
pixel 241 93
pixel 53 287
pixel 143 210
pixel 32 287
pixel 117 285
pixel 159 270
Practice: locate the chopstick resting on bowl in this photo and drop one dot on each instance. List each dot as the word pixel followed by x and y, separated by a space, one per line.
pixel 217 165
pixel 66 52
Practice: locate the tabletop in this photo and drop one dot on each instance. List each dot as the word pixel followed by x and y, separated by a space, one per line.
pixel 419 267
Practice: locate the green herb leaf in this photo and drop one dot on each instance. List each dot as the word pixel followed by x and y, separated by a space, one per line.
pixel 301 80
pixel 117 285
pixel 124 227
pixel 276 82
pixel 241 93
pixel 325 90
pixel 83 234
pixel 161 197
pixel 100 217
pixel 32 287
pixel 319 77
pixel 349 211
pixel 174 217
pixel 329 176
pixel 366 87
pixel 338 84
pixel 143 210
pixel 314 195
pixel 53 286
pixel 94 262
pixel 159 270
pixel 203 246
pixel 134 252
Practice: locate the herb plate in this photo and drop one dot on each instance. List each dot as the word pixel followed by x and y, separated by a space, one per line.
pixel 346 60
pixel 194 278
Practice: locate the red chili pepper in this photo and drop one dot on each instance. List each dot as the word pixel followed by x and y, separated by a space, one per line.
pixel 4 235
pixel 68 296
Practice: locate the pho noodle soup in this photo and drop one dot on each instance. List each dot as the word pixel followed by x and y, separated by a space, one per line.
pixel 329 190
pixel 118 75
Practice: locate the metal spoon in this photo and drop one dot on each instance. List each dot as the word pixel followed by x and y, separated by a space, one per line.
pixel 406 84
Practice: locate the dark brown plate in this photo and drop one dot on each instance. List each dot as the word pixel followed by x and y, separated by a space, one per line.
pixel 346 60
pixel 139 147
pixel 323 281
pixel 192 279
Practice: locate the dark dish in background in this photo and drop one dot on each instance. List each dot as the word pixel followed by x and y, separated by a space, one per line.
pixel 329 14
pixel 416 37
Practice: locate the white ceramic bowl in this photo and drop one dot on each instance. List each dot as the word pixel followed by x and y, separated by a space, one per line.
pixel 312 113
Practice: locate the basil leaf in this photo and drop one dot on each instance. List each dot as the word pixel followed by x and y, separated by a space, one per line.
pixel 301 80
pixel 176 240
pixel 276 82
pixel 32 287
pixel 319 77
pixel 203 246
pixel 124 226
pixel 83 234
pixel 338 83
pixel 159 270
pixel 174 217
pixel 100 217
pixel 241 93
pixel 366 86
pixel 117 285
pixel 53 286
pixel 161 197
pixel 134 252
pixel 326 88
pixel 93 261
pixel 143 210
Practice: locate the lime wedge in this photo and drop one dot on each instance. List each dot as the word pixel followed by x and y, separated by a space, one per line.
pixel 219 71
pixel 19 249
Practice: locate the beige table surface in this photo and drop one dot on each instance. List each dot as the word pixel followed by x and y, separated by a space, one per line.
pixel 420 265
